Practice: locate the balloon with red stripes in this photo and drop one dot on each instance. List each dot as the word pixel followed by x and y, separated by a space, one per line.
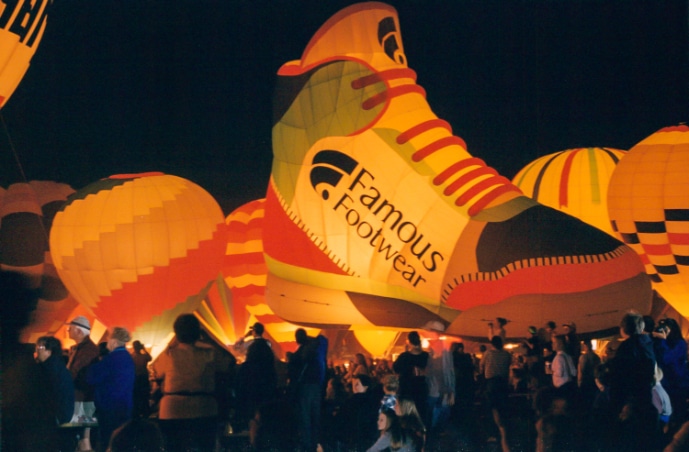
pixel 648 202
pixel 139 249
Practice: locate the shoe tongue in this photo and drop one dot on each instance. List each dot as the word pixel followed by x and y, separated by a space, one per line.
pixel 364 31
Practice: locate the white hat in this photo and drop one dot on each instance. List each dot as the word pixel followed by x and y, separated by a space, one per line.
pixel 81 321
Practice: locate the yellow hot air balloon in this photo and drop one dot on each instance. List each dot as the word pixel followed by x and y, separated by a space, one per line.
pixel 648 201
pixel 139 249
pixel 22 24
pixel 574 181
pixel 376 342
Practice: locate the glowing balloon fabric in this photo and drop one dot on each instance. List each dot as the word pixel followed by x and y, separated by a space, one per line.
pixel 574 181
pixel 378 216
pixel 648 200
pixel 22 24
pixel 244 273
pixel 376 342
pixel 139 249
pixel 26 215
pixel 237 301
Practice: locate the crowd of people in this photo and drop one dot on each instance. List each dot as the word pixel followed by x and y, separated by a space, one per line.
pixel 550 392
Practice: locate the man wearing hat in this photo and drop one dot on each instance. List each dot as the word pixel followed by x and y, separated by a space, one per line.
pixel 113 380
pixel 80 356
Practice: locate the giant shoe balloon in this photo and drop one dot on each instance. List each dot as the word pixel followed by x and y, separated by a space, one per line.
pixel 22 24
pixel 648 200
pixel 574 181
pixel 377 215
pixel 139 249
pixel 26 215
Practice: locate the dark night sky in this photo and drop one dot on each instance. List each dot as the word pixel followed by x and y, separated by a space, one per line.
pixel 185 87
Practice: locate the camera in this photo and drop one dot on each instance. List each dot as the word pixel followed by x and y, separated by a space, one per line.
pixel 662 325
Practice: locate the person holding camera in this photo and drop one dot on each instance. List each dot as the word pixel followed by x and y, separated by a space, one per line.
pixel 672 360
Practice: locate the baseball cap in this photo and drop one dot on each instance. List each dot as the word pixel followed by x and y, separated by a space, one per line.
pixel 81 321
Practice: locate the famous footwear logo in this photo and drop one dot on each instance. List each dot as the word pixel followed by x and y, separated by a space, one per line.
pixel 350 191
pixel 389 39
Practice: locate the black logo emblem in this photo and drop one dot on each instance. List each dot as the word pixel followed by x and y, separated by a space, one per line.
pixel 328 168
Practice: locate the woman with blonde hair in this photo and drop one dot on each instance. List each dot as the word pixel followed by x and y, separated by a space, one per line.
pixel 410 420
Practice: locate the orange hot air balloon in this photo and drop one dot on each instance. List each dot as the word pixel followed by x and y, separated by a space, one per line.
pixel 574 181
pixel 237 301
pixel 26 214
pixel 22 24
pixel 648 201
pixel 139 249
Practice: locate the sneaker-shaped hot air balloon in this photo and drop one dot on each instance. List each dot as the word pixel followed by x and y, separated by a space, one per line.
pixel 377 215
pixel 648 200
pixel 139 249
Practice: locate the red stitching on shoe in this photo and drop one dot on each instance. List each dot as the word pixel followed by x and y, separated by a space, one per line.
pixel 423 127
pixel 436 146
pixel 377 77
pixel 482 185
pixel 497 184
pixel 392 92
pixel 488 197
pixel 457 167
pixel 468 177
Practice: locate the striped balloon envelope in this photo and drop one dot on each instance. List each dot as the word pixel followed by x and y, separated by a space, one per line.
pixel 237 300
pixel 139 249
pixel 574 181
pixel 26 215
pixel 22 24
pixel 648 201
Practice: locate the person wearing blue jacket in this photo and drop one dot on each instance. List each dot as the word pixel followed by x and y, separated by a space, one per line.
pixel 671 353
pixel 113 380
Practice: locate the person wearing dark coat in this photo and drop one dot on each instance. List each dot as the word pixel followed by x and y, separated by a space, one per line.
pixel 465 384
pixel 27 423
pixel 257 377
pixel 308 368
pixel 632 369
pixel 142 386
pixel 410 365
pixel 81 355
pixel 113 382
pixel 358 415
pixel 59 380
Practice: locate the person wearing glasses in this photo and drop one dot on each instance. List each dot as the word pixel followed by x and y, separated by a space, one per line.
pixel 49 356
